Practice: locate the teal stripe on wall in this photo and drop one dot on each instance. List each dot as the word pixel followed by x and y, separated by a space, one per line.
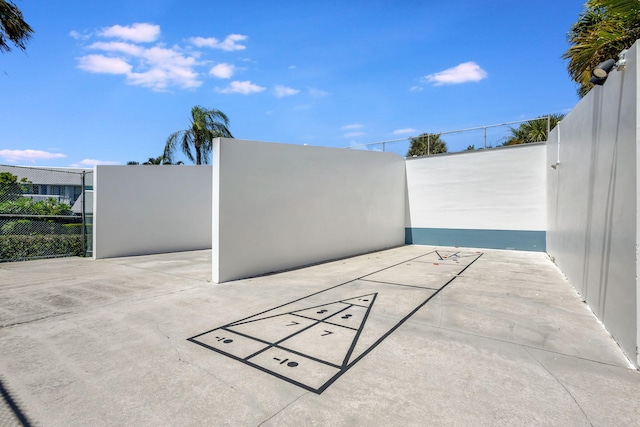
pixel 521 240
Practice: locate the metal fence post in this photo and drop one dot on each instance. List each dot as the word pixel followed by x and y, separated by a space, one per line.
pixel 84 217
pixel 485 137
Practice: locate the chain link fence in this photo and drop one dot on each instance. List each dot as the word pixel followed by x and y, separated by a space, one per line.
pixel 45 212
pixel 455 141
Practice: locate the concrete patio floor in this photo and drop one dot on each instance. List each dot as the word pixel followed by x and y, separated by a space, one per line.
pixel 414 335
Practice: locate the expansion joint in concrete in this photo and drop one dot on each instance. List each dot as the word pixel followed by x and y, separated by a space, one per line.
pixel 559 382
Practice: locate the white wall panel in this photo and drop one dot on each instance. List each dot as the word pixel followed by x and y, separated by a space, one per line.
pixel 147 209
pixel 500 189
pixel 592 197
pixel 279 206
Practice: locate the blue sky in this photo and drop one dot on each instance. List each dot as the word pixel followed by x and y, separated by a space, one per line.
pixel 106 82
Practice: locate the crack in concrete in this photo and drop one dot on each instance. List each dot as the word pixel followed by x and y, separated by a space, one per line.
pixel 173 346
pixel 8 325
pixel 457 331
pixel 207 371
pixel 180 359
pixel 161 331
pixel 288 404
pixel 559 382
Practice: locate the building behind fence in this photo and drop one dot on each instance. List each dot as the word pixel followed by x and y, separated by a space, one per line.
pixel 45 212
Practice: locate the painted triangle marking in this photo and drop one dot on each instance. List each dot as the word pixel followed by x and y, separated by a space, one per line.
pixel 312 341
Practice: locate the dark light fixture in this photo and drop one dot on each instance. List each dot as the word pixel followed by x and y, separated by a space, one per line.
pixel 601 72
pixel 597 80
pixel 604 68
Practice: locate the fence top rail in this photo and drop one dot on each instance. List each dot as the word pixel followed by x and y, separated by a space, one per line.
pixel 72 171
pixel 449 132
pixel 17 215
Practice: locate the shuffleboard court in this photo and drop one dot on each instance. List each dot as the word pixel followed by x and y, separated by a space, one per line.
pixel 312 341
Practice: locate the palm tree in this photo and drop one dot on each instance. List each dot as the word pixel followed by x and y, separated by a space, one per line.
pixel 155 161
pixel 604 29
pixel 12 26
pixel 205 126
pixel 426 144
pixel 533 130
pixel 160 160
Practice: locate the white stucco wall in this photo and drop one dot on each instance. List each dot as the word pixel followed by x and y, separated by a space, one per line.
pixel 497 189
pixel 593 202
pixel 146 209
pixel 278 206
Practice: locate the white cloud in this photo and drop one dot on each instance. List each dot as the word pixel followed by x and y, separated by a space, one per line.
pixel 156 67
pixel 353 126
pixel 465 72
pixel 118 47
pixel 138 32
pixel 103 64
pixel 92 162
pixel 404 131
pixel 353 134
pixel 317 93
pixel 222 71
pixel 31 156
pixel 78 36
pixel 244 88
pixel 230 43
pixel 161 79
pixel 416 89
pixel 282 91
pixel 166 67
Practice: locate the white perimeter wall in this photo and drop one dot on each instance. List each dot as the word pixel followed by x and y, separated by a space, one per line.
pixel 280 206
pixel 498 189
pixel 146 209
pixel 593 196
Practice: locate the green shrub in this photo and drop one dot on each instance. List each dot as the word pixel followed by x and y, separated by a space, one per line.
pixel 75 228
pixel 14 247
pixel 19 226
pixel 26 206
pixel 30 227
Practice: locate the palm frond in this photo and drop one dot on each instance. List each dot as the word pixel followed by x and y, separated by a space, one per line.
pixel 603 30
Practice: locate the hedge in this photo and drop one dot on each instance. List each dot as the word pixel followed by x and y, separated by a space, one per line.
pixel 29 226
pixel 14 247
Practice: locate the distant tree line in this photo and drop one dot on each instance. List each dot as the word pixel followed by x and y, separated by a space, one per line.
pixel 533 130
pixel 527 132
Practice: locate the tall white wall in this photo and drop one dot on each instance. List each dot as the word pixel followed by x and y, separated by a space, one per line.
pixel 146 209
pixel 593 202
pixel 278 206
pixel 486 198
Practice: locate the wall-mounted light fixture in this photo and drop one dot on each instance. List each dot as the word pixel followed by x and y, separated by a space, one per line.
pixel 603 69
